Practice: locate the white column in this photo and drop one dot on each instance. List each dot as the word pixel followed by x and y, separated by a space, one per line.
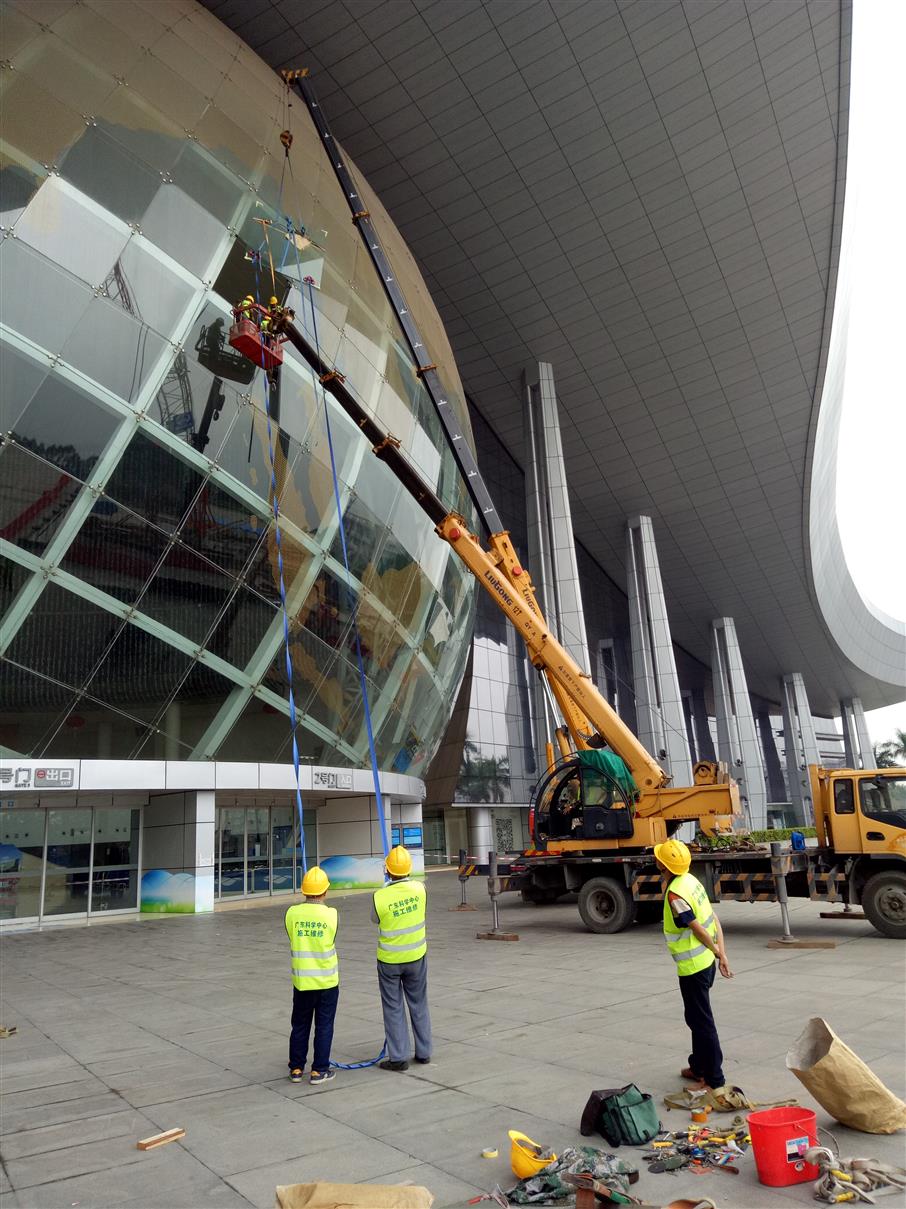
pixel 201 831
pixel 800 743
pixel 659 706
pixel 481 832
pixel 856 739
pixel 737 739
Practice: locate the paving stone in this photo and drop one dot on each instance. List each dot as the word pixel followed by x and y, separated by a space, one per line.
pixel 366 1160
pixel 76 1132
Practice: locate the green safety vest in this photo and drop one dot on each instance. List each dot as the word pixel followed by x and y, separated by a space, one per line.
pixel 312 930
pixel 689 955
pixel 400 908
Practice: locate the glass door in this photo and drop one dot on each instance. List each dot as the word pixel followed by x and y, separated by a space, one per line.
pixel 68 862
pixel 257 849
pixel 230 880
pixel 114 871
pixel 21 859
pixel 283 843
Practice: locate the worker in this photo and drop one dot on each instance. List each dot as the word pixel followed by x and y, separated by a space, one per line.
pixel 246 308
pixel 312 930
pixel 399 911
pixel 695 940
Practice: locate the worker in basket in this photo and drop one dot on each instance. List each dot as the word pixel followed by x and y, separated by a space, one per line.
pixel 279 316
pixel 246 309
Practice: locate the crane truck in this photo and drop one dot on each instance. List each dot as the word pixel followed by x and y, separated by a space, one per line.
pixel 604 801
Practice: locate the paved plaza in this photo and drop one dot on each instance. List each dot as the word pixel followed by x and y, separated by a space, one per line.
pixel 128 1028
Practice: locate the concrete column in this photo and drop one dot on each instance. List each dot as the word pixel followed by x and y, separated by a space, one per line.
pixel 800 743
pixel 856 739
pixel 202 813
pixel 737 740
pixel 704 742
pixel 659 706
pixel 772 770
pixel 178 853
pixel 481 832
pixel 550 530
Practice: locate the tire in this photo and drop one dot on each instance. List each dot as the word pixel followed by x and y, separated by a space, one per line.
pixel 606 906
pixel 884 902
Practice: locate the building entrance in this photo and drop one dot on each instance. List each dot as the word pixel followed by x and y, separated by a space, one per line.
pixel 69 863
pixel 257 850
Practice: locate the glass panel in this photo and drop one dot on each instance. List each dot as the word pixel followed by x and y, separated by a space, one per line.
pixel 141 129
pixel 21 858
pixel 35 122
pixel 222 529
pixel 260 734
pixel 283 845
pixel 112 346
pixel 258 119
pixel 102 168
pixel 64 425
pixel 114 883
pixel 186 594
pixel 31 706
pixel 18 185
pixel 230 876
pixel 182 228
pixel 20 377
pixel 257 834
pixel 48 225
pixel 68 854
pixel 96 40
pixel 34 498
pixel 92 731
pixel 159 297
pixel 18 31
pixel 63 636
pixel 227 143
pixel 210 184
pixel 187 62
pixel 116 551
pixel 263 574
pixel 38 299
pixel 167 91
pixel 154 482
pixel 365 534
pixel 138 668
pixel 195 704
pixel 13 577
pixel 65 75
pixel 245 621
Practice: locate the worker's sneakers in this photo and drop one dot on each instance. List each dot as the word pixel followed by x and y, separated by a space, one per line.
pixel 296 1075
pixel 322 1076
pixel 387 1064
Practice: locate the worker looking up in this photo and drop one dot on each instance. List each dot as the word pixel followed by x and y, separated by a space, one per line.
pixel 399 911
pixel 246 308
pixel 312 930
pixel 695 940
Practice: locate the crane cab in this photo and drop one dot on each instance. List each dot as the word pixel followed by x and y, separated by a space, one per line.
pixel 575 803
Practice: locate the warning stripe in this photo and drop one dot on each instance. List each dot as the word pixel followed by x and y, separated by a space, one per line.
pixel 746 887
pixel 648 879
pixel 825 885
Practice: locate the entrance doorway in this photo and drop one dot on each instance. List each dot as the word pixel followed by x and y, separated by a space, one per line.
pixel 257 850
pixel 69 863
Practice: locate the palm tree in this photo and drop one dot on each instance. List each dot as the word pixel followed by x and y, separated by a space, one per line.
pixel 891 754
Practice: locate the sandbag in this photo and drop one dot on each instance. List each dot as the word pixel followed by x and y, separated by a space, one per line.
pixel 841 1082
pixel 352 1196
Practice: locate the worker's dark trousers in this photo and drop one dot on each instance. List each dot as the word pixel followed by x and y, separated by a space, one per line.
pixel 322 1007
pixel 706 1058
pixel 408 981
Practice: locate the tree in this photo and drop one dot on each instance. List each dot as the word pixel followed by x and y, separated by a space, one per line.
pixel 891 754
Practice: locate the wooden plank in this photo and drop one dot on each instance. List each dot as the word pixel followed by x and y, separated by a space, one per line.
pixel 160 1139
pixel 801 944
pixel 841 915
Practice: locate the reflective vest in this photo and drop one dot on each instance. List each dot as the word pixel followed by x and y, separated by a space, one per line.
pixel 400 908
pixel 685 949
pixel 312 930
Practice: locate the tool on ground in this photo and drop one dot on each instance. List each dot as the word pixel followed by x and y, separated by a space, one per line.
pixel 9 1030
pixel 853 1179
pixel 160 1139
pixel 490 1152
pixel 497 1195
pixel 600 1190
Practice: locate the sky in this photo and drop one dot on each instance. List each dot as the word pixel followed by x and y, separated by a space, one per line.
pixel 871 466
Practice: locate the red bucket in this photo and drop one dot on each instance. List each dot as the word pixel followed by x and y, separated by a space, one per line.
pixel 780 1138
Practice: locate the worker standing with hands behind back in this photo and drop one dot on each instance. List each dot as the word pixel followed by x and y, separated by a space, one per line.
pixel 399 911
pixel 695 940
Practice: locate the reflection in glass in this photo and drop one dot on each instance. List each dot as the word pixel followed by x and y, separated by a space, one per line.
pixel 63 636
pixel 141 129
pixel 209 183
pixel 36 123
pixel 48 223
pixel 114 882
pixel 195 705
pixel 104 169
pixel 111 345
pixel 92 731
pixel 136 669
pixel 222 528
pixel 229 875
pixel 34 497
pixel 186 594
pixel 257 835
pixel 21 857
pixel 241 627
pixel 149 480
pixel 68 854
pixel 66 74
pixel 227 143
pixel 115 550
pixel 173 95
pixel 182 228
pixel 65 426
pixel 31 707
pixel 283 843
pixel 39 300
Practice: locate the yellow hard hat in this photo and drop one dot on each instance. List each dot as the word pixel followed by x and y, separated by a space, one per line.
pixel 273 301
pixel 315 882
pixel 398 862
pixel 249 298
pixel 524 1156
pixel 674 854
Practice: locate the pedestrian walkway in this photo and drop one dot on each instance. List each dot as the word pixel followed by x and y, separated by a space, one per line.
pixel 132 1028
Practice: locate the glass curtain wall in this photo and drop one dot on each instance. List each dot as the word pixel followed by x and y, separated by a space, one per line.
pixel 56 863
pixel 258 850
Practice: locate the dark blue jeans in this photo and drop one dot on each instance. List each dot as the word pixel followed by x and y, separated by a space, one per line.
pixel 320 1006
pixel 706 1059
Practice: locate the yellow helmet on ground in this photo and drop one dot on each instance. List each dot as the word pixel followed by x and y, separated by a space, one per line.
pixel 315 882
pixel 526 1156
pixel 398 862
pixel 273 301
pixel 675 855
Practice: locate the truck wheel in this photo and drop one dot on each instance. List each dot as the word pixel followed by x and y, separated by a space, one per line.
pixel 884 902
pixel 605 905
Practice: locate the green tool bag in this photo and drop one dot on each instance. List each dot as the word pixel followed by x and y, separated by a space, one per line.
pixel 624 1116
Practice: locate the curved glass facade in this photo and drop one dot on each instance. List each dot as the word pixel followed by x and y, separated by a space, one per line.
pixel 144 190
